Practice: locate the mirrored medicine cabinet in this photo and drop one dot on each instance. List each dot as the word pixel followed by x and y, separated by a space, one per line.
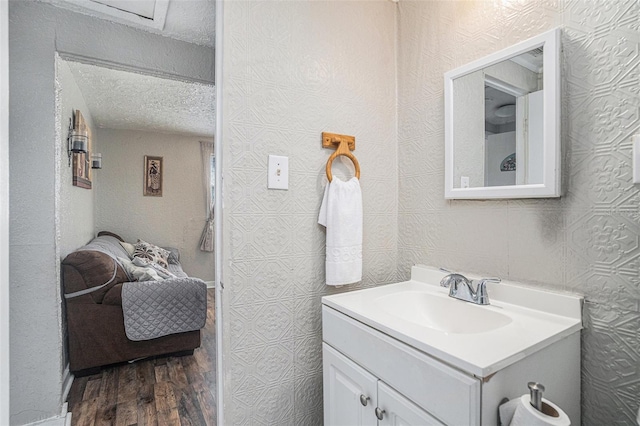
pixel 502 123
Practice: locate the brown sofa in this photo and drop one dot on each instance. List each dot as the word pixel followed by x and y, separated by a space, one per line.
pixel 95 322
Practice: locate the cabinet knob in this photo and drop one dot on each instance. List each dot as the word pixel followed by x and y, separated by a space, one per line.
pixel 379 413
pixel 364 400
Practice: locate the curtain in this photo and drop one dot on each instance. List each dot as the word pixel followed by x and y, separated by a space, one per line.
pixel 206 239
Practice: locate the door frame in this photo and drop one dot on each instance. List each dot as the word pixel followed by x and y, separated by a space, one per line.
pixel 218 209
pixel 5 379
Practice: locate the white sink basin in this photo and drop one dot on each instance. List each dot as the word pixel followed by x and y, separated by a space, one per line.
pixel 442 313
pixel 477 339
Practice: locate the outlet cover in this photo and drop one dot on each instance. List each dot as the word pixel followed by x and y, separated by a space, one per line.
pixel 278 172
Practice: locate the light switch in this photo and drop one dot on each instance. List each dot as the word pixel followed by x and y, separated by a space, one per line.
pixel 278 173
pixel 464 181
pixel 635 153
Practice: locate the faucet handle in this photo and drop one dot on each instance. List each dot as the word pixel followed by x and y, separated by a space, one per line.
pixel 481 290
pixel 452 280
pixel 446 280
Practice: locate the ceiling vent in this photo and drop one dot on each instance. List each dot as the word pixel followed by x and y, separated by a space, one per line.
pixel 149 13
pixel 143 8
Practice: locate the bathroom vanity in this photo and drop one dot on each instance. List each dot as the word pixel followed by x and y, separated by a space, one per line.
pixel 407 353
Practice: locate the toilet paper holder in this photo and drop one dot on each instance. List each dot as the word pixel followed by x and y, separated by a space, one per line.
pixel 535 392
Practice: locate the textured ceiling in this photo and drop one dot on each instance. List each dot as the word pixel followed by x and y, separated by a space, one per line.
pixel 192 21
pixel 125 100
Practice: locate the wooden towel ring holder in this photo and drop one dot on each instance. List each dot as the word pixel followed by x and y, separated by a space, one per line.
pixel 345 144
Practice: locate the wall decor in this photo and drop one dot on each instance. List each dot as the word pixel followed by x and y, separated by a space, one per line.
pixel 81 167
pixel 96 161
pixel 509 163
pixel 153 176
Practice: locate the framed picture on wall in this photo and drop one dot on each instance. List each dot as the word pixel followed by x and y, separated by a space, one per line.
pixel 153 170
pixel 81 168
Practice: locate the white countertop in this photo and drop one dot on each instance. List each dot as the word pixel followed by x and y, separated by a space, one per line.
pixel 538 319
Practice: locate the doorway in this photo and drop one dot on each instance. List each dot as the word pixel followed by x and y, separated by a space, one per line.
pixel 134 116
pixel 66 28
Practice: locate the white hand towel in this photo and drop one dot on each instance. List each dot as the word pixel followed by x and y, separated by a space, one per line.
pixel 341 214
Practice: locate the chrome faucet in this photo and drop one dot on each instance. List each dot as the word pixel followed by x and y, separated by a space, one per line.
pixel 462 288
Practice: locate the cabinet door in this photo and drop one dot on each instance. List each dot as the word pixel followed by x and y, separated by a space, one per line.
pixel 346 387
pixel 399 411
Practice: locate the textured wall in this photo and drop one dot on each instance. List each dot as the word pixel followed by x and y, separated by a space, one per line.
pixel 177 218
pixel 36 31
pixel 75 204
pixel 587 241
pixel 291 71
pixel 4 213
pixel 36 340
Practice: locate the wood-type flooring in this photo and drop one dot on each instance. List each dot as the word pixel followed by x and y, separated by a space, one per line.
pixel 163 391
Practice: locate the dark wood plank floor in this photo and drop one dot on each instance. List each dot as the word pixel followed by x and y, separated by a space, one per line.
pixel 161 391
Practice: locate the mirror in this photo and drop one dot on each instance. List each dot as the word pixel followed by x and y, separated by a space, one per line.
pixel 502 124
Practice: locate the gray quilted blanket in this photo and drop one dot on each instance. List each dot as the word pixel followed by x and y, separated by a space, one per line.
pixel 158 308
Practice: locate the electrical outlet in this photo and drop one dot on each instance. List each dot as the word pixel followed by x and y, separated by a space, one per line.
pixel 278 172
pixel 464 181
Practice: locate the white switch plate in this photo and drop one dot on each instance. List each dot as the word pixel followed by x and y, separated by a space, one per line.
pixel 278 173
pixel 635 154
pixel 464 181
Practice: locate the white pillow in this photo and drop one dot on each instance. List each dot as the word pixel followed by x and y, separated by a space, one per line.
pixel 139 273
pixel 129 248
pixel 146 263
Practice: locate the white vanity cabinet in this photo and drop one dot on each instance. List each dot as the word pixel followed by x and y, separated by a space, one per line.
pixel 354 397
pixel 350 392
pixel 425 358
pixel 399 411
pixel 410 386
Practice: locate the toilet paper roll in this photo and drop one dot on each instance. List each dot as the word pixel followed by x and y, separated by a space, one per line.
pixel 507 410
pixel 527 415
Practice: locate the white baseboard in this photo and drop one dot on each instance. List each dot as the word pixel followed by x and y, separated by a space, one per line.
pixel 67 381
pixel 64 419
pixel 210 284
